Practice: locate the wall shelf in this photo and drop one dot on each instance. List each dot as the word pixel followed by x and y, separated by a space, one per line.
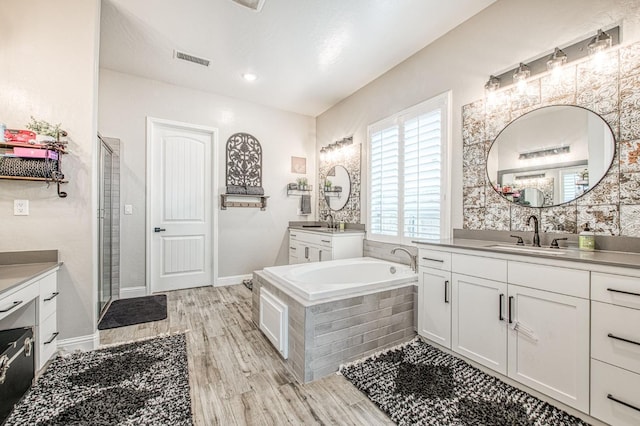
pixel 298 192
pixel 56 177
pixel 238 200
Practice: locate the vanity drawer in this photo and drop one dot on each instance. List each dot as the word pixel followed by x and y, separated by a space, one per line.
pixel 319 239
pixel 617 289
pixel 609 324
pixel 571 282
pixel 48 295
pixel 16 300
pixel 609 382
pixel 47 339
pixel 434 259
pixel 478 266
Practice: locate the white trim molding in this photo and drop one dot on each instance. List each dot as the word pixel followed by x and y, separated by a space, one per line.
pixel 129 292
pixel 83 343
pixel 232 279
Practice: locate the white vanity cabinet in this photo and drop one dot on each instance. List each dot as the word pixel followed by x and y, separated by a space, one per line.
pixel 434 296
pixel 615 348
pixel 309 246
pixel 42 290
pixel 527 321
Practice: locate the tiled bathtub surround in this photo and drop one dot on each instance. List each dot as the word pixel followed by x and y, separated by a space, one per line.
pixel 613 206
pixel 349 157
pixel 325 335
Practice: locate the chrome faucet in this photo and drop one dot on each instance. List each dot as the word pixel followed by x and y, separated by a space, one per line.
pixel 413 258
pixel 536 236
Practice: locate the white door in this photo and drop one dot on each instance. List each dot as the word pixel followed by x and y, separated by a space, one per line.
pixel 549 348
pixel 181 220
pixel 434 306
pixel 479 320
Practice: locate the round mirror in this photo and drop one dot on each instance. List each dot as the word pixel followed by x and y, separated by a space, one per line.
pixel 550 156
pixel 337 187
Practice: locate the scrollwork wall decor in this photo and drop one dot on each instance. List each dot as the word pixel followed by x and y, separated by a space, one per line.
pixel 244 161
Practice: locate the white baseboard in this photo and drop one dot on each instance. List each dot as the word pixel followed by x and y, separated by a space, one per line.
pixel 129 292
pixel 232 279
pixel 83 343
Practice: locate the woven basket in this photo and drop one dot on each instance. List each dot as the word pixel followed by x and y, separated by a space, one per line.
pixel 28 167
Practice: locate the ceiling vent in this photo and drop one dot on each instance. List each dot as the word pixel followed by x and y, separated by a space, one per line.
pixel 191 58
pixel 251 4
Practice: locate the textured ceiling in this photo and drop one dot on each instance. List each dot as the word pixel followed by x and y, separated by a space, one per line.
pixel 308 54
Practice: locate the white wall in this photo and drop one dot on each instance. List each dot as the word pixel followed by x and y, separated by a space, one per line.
pixel 497 39
pixel 49 70
pixel 250 239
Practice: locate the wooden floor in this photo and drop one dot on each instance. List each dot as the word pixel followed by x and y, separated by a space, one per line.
pixel 236 376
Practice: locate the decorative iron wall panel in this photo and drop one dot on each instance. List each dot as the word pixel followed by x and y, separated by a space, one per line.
pixel 244 160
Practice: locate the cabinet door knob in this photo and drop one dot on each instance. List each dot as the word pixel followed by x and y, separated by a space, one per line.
pixel 622 339
pixel 500 302
pixel 446 291
pixel 158 229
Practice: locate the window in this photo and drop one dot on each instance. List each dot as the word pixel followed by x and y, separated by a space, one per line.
pixel 408 174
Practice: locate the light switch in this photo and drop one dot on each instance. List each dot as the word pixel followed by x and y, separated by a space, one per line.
pixel 128 209
pixel 21 207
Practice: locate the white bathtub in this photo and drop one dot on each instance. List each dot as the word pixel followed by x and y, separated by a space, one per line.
pixel 324 280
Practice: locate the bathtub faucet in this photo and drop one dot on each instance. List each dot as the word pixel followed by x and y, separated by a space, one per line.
pixel 413 258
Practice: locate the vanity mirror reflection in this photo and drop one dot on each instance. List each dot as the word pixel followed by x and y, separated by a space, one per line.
pixel 336 186
pixel 550 156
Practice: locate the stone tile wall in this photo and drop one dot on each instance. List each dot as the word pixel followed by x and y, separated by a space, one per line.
pixel 613 92
pixel 325 335
pixel 349 157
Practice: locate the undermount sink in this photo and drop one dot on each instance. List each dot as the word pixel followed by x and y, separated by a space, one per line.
pixel 527 249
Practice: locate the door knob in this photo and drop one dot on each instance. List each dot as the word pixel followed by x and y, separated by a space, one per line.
pixel 159 229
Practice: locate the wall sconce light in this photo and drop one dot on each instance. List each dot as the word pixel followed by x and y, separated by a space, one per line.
pixel 333 147
pixel 492 85
pixel 544 152
pixel 601 42
pixel 588 46
pixel 520 77
pixel 556 61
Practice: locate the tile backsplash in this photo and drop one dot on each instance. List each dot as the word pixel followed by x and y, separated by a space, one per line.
pixel 613 206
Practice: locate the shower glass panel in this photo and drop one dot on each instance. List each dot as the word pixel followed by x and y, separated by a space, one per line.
pixel 105 217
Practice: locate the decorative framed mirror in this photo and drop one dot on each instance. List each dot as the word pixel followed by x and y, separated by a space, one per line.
pixel 550 156
pixel 336 187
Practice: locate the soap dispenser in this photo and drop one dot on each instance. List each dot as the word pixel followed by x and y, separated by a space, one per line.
pixel 587 239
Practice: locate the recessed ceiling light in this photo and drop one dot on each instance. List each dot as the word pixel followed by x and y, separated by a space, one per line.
pixel 249 76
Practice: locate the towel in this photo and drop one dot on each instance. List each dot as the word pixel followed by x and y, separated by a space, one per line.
pixel 255 190
pixel 236 189
pixel 305 204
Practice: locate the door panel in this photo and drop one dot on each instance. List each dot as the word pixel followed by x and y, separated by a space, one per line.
pixel 181 213
pixel 434 306
pixel 549 347
pixel 478 332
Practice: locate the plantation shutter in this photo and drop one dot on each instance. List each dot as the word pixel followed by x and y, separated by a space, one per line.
pixel 408 174
pixel 384 167
pixel 422 175
pixel 569 187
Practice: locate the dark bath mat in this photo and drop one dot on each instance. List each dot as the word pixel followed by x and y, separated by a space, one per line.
pixel 136 310
pixel 418 384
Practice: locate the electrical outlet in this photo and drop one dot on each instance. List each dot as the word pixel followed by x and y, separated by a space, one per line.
pixel 128 209
pixel 21 207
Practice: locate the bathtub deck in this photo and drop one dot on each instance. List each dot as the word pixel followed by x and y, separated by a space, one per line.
pixel 236 376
